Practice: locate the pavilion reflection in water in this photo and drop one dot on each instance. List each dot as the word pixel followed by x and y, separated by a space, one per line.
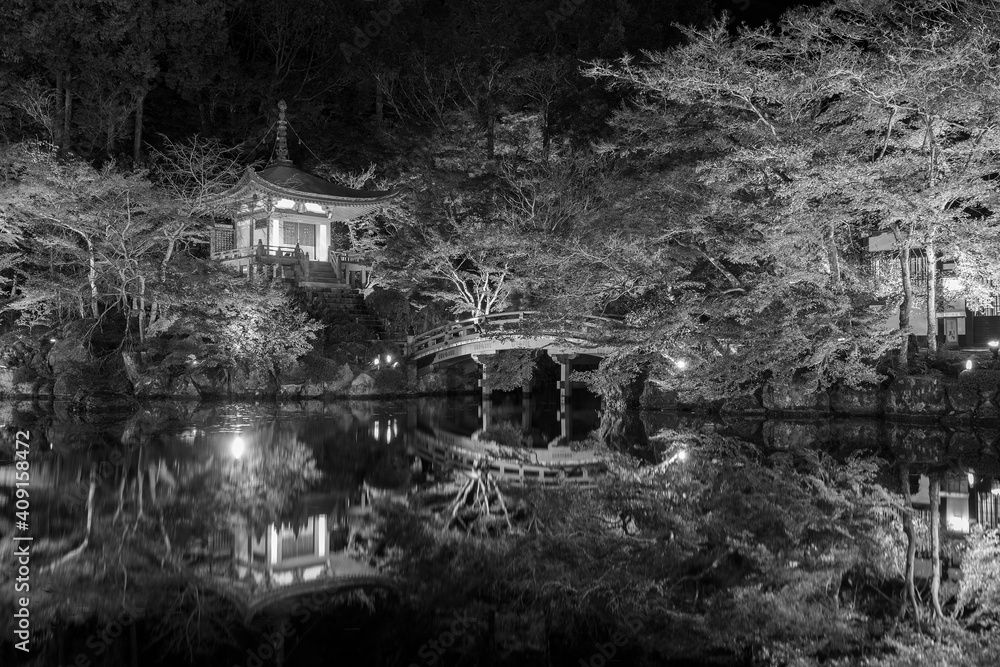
pixel 317 543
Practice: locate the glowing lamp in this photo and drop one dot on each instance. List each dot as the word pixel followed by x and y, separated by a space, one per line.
pixel 995 487
pixel 682 455
pixel 681 364
pixel 388 358
pixel 972 479
pixel 994 343
pixel 237 447
pixel 968 365
pixel 377 361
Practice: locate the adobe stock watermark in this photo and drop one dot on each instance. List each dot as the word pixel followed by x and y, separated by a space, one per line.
pixel 606 651
pixel 272 643
pixel 565 10
pixel 432 651
pixel 363 35
pixel 100 641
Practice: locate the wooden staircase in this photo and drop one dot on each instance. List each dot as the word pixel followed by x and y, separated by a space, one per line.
pixel 321 276
pixel 331 302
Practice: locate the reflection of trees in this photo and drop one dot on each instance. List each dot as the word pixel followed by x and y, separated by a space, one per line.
pixel 156 537
pixel 261 485
pixel 731 548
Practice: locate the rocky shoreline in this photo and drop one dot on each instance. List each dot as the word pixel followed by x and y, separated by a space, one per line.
pixel 971 397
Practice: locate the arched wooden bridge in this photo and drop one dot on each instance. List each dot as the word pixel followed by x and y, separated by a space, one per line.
pixel 560 465
pixel 507 331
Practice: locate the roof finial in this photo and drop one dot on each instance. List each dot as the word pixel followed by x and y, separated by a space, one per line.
pixel 281 145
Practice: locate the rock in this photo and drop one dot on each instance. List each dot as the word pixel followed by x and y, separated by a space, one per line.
pixel 655 397
pixel 963 444
pixel 917 441
pixel 312 389
pixel 783 434
pixel 743 405
pixel 345 375
pixel 861 401
pixel 430 383
pixel 183 386
pixel 73 367
pixel 854 434
pixel 802 393
pixel 362 385
pixel 916 396
pixel 987 408
pixel 291 390
pixel 7 382
pixel 962 401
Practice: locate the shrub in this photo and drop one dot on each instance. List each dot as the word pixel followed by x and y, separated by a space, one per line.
pixel 390 381
pixel 506 434
pixel 390 306
pixel 509 369
pixel 980 379
pixel 979 588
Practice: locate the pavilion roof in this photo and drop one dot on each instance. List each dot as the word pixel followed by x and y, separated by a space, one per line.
pixel 285 181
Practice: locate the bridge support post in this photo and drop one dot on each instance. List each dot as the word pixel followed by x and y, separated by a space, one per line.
pixel 565 415
pixel 565 362
pixel 484 384
pixel 527 408
pixel 486 412
pixel 566 423
pixel 486 407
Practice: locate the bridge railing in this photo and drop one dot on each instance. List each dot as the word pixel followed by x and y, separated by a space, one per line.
pixel 474 327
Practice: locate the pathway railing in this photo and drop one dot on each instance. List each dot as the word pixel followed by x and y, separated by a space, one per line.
pixel 496 324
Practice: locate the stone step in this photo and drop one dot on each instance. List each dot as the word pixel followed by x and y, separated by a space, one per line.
pixel 314 284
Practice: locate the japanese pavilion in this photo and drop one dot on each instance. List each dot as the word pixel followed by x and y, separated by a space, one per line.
pixel 286 218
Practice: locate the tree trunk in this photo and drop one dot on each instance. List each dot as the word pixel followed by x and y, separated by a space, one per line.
pixel 109 139
pixel 142 309
pixel 137 133
pixel 379 100
pixel 932 328
pixel 546 133
pixel 831 250
pixel 138 487
pixel 909 587
pixel 491 129
pixel 67 114
pixel 935 494
pixel 907 287
pixel 171 243
pixel 92 278
pixel 57 126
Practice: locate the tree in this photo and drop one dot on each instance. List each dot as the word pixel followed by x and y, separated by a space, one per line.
pixel 788 157
pixel 469 261
pixel 99 60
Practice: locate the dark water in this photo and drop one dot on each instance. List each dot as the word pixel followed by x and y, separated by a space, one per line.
pixel 221 495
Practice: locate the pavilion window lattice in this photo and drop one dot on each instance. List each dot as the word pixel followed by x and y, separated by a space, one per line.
pixel 223 239
pixel 989 510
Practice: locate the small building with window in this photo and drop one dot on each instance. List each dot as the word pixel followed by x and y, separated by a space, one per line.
pixel 284 217
pixel 957 325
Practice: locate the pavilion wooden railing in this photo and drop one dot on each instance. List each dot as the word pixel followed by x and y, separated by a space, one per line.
pixel 266 260
pixel 347 263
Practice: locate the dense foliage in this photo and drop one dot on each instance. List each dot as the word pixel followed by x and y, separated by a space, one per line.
pixel 726 551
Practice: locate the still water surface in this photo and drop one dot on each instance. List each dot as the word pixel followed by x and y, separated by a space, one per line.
pixel 256 525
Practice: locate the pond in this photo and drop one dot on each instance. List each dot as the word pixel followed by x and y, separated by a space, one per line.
pixel 185 533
